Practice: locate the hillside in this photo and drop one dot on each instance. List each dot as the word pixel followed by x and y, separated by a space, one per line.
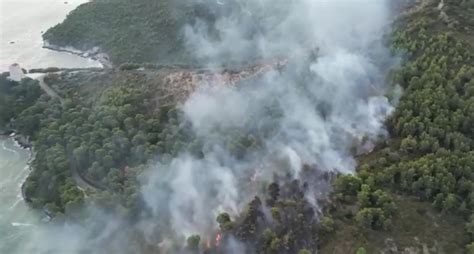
pixel 161 152
pixel 425 170
pixel 131 31
pixel 95 144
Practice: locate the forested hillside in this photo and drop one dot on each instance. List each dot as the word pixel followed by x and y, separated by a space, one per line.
pixel 412 194
pixel 98 139
pixel 131 31
pixel 16 97
pixel 415 191
pixel 95 144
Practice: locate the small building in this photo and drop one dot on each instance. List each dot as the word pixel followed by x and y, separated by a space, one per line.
pixel 16 73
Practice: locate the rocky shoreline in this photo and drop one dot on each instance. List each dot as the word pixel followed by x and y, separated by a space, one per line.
pixel 30 168
pixel 24 143
pixel 94 53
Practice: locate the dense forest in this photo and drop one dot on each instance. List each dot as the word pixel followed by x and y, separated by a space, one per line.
pixel 149 31
pixel 422 175
pixel 413 192
pixel 142 31
pixel 15 97
pixel 131 31
pixel 96 141
pixel 101 143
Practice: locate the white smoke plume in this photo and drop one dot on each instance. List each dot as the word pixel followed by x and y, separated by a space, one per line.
pixel 328 101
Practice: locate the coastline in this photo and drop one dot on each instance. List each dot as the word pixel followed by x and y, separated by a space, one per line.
pixel 20 140
pixel 31 158
pixel 23 143
pixel 94 53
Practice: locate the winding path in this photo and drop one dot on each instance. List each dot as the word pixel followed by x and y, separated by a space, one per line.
pixel 48 90
pixel 81 182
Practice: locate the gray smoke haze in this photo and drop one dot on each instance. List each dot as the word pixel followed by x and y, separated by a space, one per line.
pixel 326 103
pixel 325 106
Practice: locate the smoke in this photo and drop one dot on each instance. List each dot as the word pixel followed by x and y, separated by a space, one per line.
pixel 327 100
pixel 192 192
pixel 326 103
pixel 246 29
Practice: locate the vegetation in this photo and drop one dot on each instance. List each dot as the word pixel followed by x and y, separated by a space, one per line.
pixel 99 137
pixel 414 190
pixel 284 223
pixel 102 143
pixel 429 156
pixel 138 31
pixel 15 97
pixel 132 31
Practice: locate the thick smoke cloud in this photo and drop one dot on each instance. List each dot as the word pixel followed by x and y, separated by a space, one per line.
pixel 323 106
pixel 267 28
pixel 328 101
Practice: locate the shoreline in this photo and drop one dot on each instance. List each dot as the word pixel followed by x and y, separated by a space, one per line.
pixel 23 146
pixel 94 53
pixel 20 140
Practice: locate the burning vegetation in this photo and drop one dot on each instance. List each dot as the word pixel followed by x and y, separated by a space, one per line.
pixel 283 220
